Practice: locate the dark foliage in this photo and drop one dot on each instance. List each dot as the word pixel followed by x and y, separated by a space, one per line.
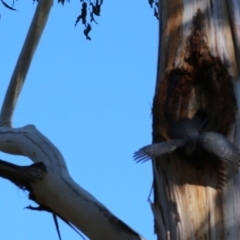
pixel 87 30
pixel 89 9
pixel 154 5
pixel 8 6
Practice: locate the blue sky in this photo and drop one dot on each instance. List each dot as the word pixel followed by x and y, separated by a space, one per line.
pixel 92 99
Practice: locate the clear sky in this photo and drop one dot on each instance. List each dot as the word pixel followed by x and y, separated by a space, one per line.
pixel 93 100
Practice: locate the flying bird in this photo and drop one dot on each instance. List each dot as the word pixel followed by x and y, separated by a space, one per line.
pixel 186 134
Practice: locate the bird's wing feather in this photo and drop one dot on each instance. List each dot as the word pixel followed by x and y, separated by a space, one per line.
pixel 217 144
pixel 157 149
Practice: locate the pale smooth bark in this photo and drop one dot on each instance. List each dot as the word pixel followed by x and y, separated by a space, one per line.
pixel 55 190
pixel 184 207
pixel 20 72
pixel 58 191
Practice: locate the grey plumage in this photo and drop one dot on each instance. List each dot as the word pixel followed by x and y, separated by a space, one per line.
pixel 221 147
pixel 187 127
pixel 157 149
pixel 189 137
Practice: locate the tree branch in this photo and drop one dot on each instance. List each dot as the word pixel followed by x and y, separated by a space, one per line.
pixel 24 61
pixel 58 191
pixel 20 175
pixel 51 187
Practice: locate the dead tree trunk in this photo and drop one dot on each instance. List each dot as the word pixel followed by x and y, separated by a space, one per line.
pixel 198 70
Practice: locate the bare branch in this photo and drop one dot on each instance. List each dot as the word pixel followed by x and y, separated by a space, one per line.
pixel 58 191
pixel 24 61
pixel 22 176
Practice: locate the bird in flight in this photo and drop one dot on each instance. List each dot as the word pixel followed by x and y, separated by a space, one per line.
pixel 186 134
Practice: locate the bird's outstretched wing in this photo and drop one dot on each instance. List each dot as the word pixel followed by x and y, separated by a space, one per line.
pixel 221 147
pixel 157 149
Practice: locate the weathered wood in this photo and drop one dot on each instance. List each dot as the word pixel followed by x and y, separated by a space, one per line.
pixel 57 191
pixel 198 69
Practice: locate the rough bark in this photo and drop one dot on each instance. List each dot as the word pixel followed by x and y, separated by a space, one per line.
pixel 198 68
pixel 48 180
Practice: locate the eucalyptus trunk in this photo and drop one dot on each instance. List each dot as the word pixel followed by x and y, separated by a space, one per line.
pixel 198 69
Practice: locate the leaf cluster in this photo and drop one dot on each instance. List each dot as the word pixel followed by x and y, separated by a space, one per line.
pixel 154 4
pixel 89 10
